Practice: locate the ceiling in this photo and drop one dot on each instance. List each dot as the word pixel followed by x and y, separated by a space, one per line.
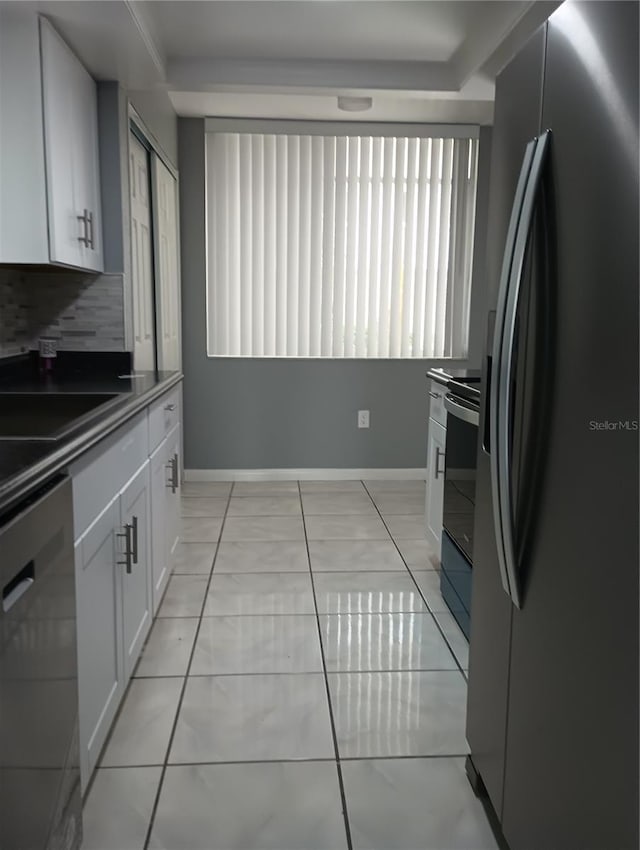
pixel 356 30
pixel 417 60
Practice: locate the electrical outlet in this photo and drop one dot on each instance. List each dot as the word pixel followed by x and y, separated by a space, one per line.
pixel 363 419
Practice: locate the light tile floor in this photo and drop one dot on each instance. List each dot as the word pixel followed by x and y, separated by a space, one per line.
pixel 303 687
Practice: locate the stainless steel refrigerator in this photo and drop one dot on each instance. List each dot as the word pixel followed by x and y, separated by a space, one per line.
pixel 553 671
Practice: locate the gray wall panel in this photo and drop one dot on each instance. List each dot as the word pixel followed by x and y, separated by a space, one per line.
pixel 112 127
pixel 157 112
pixel 265 413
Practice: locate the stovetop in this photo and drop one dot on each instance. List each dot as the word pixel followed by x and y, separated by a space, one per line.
pixel 444 375
pixel 468 390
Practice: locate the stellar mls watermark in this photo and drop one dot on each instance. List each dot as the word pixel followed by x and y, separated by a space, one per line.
pixel 613 425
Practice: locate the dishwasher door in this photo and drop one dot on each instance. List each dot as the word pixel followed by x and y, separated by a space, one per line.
pixel 40 804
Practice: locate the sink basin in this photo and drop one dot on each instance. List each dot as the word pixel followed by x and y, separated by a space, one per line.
pixel 51 416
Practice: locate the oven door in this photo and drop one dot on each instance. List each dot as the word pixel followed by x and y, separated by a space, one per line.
pixel 459 506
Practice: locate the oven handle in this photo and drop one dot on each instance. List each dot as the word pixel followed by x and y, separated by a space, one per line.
pixel 467 414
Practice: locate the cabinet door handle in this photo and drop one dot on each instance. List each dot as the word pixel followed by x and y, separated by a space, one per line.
pixel 90 241
pixel 438 471
pixel 435 395
pixel 170 407
pixel 175 481
pixel 127 547
pixel 172 476
pixel 134 531
pixel 84 238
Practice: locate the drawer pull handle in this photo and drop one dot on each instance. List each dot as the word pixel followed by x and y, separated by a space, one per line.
pixel 435 395
pixel 170 407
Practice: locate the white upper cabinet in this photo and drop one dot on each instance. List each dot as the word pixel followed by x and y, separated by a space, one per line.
pixel 23 189
pixel 70 106
pixel 50 210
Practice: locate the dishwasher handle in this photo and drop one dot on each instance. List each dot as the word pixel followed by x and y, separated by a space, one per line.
pixel 15 589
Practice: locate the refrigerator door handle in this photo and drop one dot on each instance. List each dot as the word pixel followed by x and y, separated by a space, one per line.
pixel 492 400
pixel 506 366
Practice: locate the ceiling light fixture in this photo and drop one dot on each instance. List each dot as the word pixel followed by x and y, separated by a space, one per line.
pixel 354 104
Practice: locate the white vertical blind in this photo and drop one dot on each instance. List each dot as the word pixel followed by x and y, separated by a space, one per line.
pixel 339 246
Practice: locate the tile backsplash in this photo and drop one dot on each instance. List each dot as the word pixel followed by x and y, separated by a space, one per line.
pixel 14 315
pixel 82 312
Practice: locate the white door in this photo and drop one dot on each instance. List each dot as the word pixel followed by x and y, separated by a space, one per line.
pixel 141 257
pixel 167 267
pixel 99 627
pixel 435 481
pixel 136 589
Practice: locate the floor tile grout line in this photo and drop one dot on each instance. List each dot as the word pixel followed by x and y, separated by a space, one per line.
pixel 322 759
pixel 424 611
pixel 337 672
pixel 368 570
pixel 422 596
pixel 334 735
pixel 165 763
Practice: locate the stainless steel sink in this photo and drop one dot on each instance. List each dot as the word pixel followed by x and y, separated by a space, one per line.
pixel 51 416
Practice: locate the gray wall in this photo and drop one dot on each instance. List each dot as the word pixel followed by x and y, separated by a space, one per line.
pixel 272 414
pixel 114 171
pixel 157 112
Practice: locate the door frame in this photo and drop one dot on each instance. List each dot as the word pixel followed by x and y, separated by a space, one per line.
pixel 135 125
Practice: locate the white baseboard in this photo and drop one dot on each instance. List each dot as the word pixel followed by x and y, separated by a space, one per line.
pixel 304 474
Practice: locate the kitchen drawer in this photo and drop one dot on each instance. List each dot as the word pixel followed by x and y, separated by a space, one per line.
pixel 103 471
pixel 436 403
pixel 164 415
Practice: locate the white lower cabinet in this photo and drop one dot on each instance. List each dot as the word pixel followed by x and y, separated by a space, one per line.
pixel 165 511
pixel 114 610
pixel 160 566
pixel 99 629
pixel 174 451
pixel 436 439
pixel 435 481
pixel 136 579
pixel 127 526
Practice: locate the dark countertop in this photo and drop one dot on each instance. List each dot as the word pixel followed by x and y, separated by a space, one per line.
pixel 443 376
pixel 465 390
pixel 26 464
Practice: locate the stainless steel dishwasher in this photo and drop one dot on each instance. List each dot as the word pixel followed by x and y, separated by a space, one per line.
pixel 40 804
